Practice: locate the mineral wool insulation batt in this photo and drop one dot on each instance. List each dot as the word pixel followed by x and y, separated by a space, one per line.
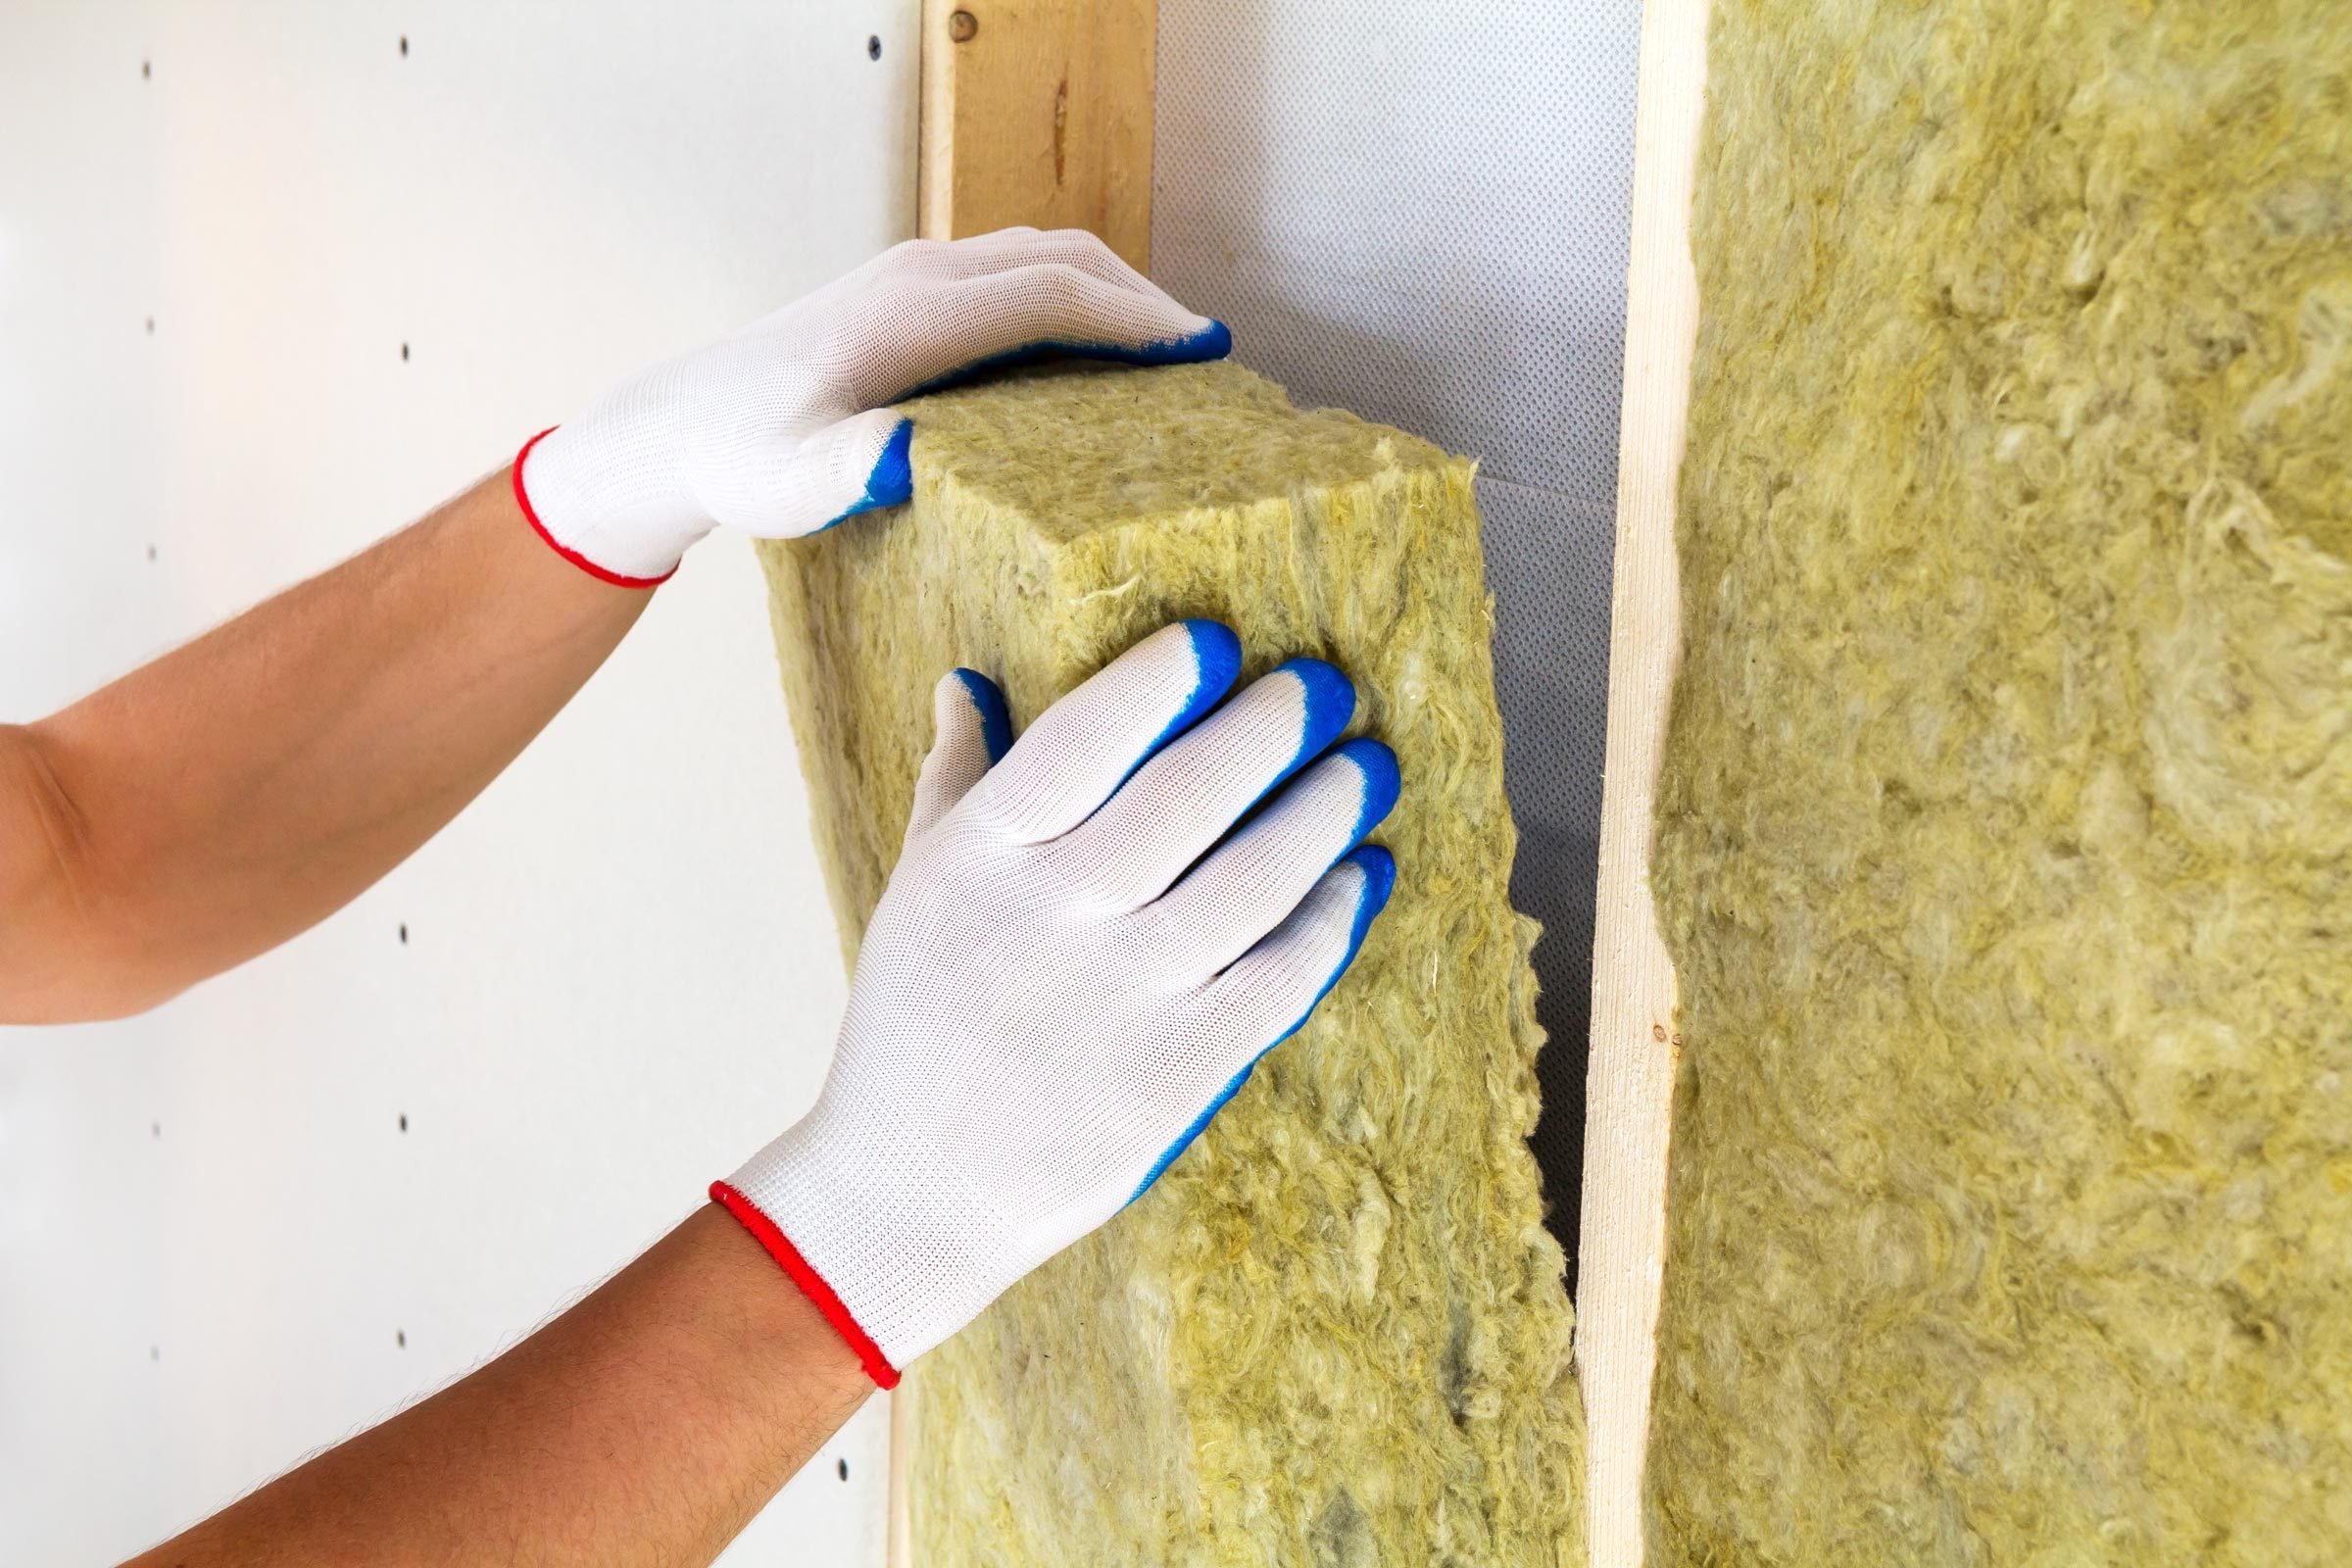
pixel 1335 1331
pixel 2005 829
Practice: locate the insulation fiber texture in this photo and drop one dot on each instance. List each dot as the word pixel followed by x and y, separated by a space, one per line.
pixel 1334 1333
pixel 2004 829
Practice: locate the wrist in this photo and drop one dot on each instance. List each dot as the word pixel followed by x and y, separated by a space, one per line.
pixel 896 1254
pixel 778 1334
pixel 814 1291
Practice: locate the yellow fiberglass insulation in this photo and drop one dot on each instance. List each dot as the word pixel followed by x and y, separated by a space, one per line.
pixel 2005 831
pixel 1335 1334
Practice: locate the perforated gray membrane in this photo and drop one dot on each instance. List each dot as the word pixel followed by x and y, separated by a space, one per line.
pixel 1420 213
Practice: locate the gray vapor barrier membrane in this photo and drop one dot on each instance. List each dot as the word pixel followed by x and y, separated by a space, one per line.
pixel 1422 216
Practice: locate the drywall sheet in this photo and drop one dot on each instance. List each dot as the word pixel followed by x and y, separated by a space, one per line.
pixel 1419 212
pixel 1335 1331
pixel 2005 831
pixel 277 276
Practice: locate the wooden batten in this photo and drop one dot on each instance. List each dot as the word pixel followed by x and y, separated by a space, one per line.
pixel 1038 112
pixel 1634 1046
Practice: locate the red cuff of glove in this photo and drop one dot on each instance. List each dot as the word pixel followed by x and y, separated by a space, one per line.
pixel 813 1284
pixel 531 515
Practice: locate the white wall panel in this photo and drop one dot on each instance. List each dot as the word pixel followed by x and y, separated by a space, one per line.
pixel 218 1248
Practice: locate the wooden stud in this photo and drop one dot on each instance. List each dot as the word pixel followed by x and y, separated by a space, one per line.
pixel 1635 1045
pixel 898 1540
pixel 1038 112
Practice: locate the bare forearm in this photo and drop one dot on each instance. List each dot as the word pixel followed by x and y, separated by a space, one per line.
pixel 644 1426
pixel 236 790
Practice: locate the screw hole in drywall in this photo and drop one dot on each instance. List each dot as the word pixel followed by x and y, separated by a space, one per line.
pixel 404 354
pixel 844 1467
pixel 873 47
pixel 146 69
pixel 403 933
pixel 404 46
pixel 400 1336
pixel 404 1121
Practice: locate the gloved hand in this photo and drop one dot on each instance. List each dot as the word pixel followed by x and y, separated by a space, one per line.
pixel 786 429
pixel 1048 1006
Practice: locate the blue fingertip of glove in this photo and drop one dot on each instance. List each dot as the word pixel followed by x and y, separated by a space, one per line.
pixel 1217 657
pixel 1217 661
pixel 892 483
pixel 1329 704
pixel 1383 782
pixel 1212 342
pixel 996 721
pixel 1380 880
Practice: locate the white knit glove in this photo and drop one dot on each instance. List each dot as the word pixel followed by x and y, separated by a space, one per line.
pixel 786 429
pixel 1048 1006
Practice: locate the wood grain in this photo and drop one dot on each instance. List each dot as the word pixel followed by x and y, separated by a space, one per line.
pixel 1038 112
pixel 1635 1047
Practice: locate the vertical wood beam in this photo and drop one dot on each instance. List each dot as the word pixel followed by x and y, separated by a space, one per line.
pixel 1038 112
pixel 1636 1044
pixel 897 1537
